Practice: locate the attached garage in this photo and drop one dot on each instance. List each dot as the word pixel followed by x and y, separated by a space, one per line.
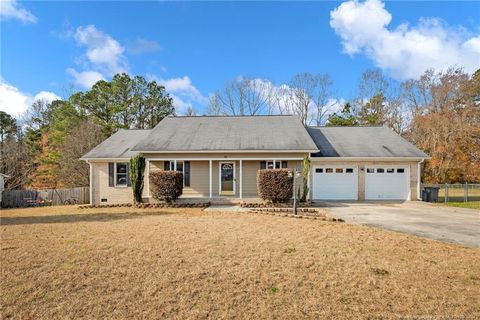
pixel 335 183
pixel 387 183
pixel 364 163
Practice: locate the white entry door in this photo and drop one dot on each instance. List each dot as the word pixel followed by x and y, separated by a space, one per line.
pixel 387 183
pixel 335 183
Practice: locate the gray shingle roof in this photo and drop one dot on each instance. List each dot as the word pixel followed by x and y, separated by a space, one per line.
pixel 362 142
pixel 119 145
pixel 227 133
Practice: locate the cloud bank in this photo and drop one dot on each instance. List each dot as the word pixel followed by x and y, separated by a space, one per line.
pixel 405 51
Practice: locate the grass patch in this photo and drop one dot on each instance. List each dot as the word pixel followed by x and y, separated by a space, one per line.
pixel 190 264
pixel 469 204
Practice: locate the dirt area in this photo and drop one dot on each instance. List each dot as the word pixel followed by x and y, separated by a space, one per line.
pixel 63 262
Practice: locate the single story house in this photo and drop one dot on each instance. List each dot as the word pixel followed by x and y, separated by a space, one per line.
pixel 220 156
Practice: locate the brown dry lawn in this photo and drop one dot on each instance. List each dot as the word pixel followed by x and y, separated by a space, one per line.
pixel 63 262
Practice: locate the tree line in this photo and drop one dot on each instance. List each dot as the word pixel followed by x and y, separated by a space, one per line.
pixel 439 113
pixel 42 150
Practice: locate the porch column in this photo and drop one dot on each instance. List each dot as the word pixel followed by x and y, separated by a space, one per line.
pixel 241 179
pixel 210 176
pixel 174 165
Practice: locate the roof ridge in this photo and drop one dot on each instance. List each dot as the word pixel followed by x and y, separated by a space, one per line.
pixel 360 126
pixel 234 116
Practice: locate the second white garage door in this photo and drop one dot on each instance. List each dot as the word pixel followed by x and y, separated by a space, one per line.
pixel 335 183
pixel 387 183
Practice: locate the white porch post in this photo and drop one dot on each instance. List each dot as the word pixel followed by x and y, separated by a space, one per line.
pixel 241 179
pixel 210 176
pixel 274 164
pixel 175 165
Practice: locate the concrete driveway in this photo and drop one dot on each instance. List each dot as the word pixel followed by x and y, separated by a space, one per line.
pixel 427 220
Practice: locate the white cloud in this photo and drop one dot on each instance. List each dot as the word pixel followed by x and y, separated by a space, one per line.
pixel 141 45
pixel 182 91
pixel 85 79
pixel 10 9
pixel 15 102
pixel 103 58
pixel 46 96
pixel 103 51
pixel 404 51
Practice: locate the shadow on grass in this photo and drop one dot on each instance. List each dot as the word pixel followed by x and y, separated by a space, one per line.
pixel 73 218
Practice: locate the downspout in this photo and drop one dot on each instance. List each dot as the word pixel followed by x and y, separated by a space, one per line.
pixel 90 183
pixel 419 178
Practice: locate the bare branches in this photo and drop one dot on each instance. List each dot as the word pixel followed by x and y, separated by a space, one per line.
pixel 242 96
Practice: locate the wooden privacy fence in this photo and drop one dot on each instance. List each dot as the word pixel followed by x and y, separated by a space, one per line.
pixel 26 198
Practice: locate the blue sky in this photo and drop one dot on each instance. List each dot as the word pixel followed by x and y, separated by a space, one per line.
pixel 48 48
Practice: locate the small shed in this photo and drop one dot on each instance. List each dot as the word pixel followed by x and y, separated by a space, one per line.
pixel 3 177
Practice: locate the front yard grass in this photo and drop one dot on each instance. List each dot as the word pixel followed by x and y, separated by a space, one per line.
pixel 469 204
pixel 62 262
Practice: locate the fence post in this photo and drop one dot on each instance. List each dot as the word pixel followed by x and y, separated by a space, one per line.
pixel 446 192
pixel 466 192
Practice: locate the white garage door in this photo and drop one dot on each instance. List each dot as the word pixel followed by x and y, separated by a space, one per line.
pixel 335 183
pixel 387 183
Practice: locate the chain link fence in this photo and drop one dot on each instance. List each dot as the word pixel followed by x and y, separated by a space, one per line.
pixel 458 192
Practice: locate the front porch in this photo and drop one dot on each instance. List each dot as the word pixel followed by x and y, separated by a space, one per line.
pixel 222 180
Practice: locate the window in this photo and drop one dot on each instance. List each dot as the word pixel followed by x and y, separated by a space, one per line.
pixel 121 174
pixel 319 170
pixel 183 167
pixel 329 170
pixel 380 170
pixel 349 170
pixel 390 170
pixel 338 170
pixel 370 170
pixel 400 170
pixel 269 164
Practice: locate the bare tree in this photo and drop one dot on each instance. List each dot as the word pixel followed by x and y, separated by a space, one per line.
pixel 72 171
pixel 310 97
pixel 373 83
pixel 242 96
pixel 191 111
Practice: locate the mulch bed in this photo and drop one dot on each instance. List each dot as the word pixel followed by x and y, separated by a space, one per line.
pixel 266 204
pixel 150 205
pixel 302 213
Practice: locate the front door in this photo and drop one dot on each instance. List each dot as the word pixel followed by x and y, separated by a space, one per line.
pixel 227 178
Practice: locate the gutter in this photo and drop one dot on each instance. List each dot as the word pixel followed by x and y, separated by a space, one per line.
pixel 419 178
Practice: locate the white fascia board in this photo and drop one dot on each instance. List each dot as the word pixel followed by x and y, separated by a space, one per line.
pixel 104 159
pixel 313 159
pixel 232 151
pixel 221 159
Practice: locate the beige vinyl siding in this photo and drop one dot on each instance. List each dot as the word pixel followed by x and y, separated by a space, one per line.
pixel 413 166
pixel 200 180
pixel 101 190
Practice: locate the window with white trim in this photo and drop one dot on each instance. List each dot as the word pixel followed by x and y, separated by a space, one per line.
pixel 121 174
pixel 277 164
pixel 183 167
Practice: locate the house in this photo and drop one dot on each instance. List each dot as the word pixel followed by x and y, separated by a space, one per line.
pixel 220 156
pixel 3 177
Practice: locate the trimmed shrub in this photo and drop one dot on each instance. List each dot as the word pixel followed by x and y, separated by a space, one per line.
pixel 166 185
pixel 275 185
pixel 137 168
